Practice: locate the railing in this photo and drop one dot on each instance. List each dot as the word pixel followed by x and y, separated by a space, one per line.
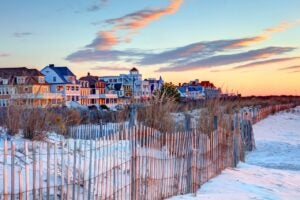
pixel 37 96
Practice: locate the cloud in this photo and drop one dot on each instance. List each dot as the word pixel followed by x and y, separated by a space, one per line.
pixel 221 60
pixel 297 71
pixel 142 18
pixel 110 68
pixel 130 24
pixel 202 49
pixel 4 54
pixel 173 56
pixel 102 55
pixel 105 40
pixel 22 34
pixel 199 49
pixel 271 61
pixel 289 68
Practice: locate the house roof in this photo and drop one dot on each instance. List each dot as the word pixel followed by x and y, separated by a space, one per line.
pixel 30 74
pixel 62 72
pixel 19 71
pixel 134 69
pixel 118 86
pixel 182 89
pixel 91 79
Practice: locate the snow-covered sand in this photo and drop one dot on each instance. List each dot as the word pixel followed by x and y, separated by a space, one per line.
pixel 271 172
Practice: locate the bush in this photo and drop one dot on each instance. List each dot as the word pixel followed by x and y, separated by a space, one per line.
pixel 12 119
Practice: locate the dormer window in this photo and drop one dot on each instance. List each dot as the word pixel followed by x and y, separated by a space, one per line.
pixel 4 81
pixel 21 80
pixel 41 79
pixel 71 79
pixel 54 78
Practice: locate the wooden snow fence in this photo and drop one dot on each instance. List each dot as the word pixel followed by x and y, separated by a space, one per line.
pixel 126 163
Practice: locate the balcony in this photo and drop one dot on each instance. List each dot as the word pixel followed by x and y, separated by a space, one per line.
pixel 37 96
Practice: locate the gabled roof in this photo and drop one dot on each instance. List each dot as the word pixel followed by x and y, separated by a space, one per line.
pixel 62 72
pixel 19 71
pixel 182 89
pixel 91 79
pixel 30 74
pixel 134 69
pixel 118 86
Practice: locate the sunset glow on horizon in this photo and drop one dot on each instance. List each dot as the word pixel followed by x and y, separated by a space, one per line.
pixel 247 47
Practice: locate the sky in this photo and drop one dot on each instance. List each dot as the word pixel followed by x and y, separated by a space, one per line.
pixel 249 47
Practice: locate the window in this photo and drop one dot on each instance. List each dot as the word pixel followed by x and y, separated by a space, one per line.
pixel 41 79
pixel 20 80
pixel 77 88
pixel 5 81
pixel 72 88
pixel 26 89
pixel 59 88
pixel 3 102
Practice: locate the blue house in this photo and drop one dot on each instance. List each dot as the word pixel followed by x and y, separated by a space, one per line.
pixel 62 80
pixel 191 92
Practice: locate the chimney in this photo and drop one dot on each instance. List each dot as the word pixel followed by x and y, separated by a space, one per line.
pixel 88 74
pixel 179 84
pixel 51 65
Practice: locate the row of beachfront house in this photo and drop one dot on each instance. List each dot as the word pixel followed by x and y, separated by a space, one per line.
pixel 55 85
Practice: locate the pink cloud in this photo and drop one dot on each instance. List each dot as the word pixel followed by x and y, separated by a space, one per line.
pixel 130 24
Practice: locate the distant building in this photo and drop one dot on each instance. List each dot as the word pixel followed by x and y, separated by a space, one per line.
pixel 62 80
pixel 191 92
pixel 93 92
pixel 25 86
pixel 154 84
pixel 195 90
pixel 210 90
pixel 130 86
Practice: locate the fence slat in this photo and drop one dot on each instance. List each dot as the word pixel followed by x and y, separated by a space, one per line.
pixel 5 173
pixel 12 171
pixel 26 170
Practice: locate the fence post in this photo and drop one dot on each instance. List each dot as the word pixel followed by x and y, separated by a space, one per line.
pixel 5 182
pixel 26 171
pixel 40 173
pixel 133 157
pixel 34 169
pixel 215 123
pixel 132 115
pixel 20 185
pixel 48 170
pixel 62 171
pixel 12 170
pixel 74 169
pixel 236 152
pixel 187 122
pixel 55 172
pixel 90 169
